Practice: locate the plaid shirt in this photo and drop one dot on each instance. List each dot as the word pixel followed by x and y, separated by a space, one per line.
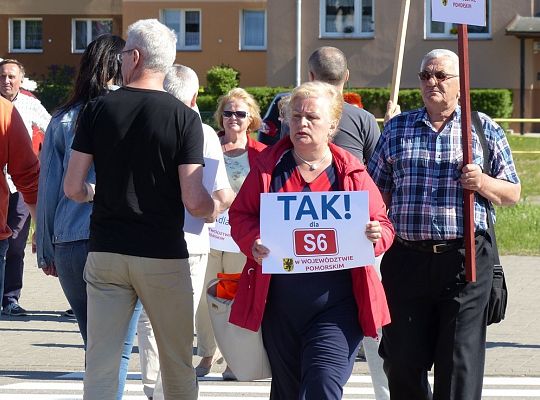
pixel 421 170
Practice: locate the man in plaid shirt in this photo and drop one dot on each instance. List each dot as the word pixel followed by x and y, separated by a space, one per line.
pixel 437 317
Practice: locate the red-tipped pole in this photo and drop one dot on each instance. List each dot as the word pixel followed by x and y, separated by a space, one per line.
pixel 468 195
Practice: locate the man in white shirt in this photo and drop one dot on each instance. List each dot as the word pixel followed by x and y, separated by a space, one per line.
pixel 182 82
pixel 33 115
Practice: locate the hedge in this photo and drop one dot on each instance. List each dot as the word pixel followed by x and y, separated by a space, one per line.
pixel 497 103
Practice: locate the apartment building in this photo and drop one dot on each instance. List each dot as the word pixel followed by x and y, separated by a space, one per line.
pixel 40 33
pixel 259 37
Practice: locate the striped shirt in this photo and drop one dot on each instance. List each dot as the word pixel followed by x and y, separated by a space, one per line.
pixel 421 169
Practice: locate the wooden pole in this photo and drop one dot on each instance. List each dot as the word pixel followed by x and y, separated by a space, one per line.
pixel 468 195
pixel 398 57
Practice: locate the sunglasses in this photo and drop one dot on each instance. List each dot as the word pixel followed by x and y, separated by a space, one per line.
pixel 238 114
pixel 438 75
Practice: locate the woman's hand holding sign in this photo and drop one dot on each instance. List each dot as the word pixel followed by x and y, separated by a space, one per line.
pixel 373 231
pixel 259 251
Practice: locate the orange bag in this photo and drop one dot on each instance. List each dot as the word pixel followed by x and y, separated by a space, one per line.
pixel 227 285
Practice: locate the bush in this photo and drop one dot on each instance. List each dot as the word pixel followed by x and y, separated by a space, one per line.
pixel 221 79
pixel 497 103
pixel 207 102
pixel 54 88
pixel 264 95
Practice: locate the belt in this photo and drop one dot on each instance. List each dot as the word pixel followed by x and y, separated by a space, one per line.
pixel 431 246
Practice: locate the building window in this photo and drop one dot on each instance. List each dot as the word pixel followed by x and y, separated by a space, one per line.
pixel 346 18
pixel 253 30
pixel 83 31
pixel 26 35
pixel 187 26
pixel 447 30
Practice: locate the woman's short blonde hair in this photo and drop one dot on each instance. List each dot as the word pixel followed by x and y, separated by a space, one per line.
pixel 317 89
pixel 253 108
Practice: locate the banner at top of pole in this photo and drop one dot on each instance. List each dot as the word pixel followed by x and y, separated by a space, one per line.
pixel 468 12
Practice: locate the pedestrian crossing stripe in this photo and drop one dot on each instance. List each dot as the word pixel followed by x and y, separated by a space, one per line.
pixel 488 380
pixel 358 385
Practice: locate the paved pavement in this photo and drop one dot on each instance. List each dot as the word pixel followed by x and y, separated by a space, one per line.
pixel 45 345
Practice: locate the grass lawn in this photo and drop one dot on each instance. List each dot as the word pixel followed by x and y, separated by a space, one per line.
pixel 518 227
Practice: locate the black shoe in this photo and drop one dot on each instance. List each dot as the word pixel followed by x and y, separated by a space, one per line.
pixel 14 310
pixel 69 313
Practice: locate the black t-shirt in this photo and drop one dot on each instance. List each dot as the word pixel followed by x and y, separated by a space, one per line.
pixel 138 138
pixel 358 132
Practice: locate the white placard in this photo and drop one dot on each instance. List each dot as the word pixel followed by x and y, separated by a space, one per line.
pixel 196 225
pixel 315 231
pixel 470 12
pixel 220 235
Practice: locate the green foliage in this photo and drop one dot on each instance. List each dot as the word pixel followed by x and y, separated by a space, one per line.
pixel 497 103
pixel 524 143
pixel 264 95
pixel 55 87
pixel 518 229
pixel 207 102
pixel 527 166
pixel 221 79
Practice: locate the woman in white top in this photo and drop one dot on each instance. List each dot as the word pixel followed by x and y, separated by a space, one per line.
pixel 237 116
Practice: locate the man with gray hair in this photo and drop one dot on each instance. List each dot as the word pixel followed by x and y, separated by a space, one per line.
pixel 438 318
pixel 182 82
pixel 147 150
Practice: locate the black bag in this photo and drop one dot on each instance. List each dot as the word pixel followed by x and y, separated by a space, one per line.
pixel 498 296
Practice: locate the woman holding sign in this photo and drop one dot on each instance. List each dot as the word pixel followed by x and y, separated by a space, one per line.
pixel 312 323
pixel 238 116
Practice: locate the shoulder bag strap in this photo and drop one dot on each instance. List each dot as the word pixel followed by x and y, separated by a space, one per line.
pixel 477 123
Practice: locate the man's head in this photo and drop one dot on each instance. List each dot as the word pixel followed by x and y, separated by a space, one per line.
pixel 439 80
pixel 11 78
pixel 328 64
pixel 182 82
pixel 150 48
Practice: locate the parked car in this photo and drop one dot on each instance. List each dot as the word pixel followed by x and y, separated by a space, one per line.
pixel 271 128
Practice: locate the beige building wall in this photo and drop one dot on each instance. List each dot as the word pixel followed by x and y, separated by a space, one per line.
pixel 494 62
pixel 56 16
pixel 371 59
pixel 56 41
pixel 52 7
pixel 220 36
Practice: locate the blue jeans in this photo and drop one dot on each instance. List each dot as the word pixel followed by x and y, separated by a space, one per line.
pixel 70 258
pixel 4 244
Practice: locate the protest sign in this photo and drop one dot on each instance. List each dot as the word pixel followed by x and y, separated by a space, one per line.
pixel 315 231
pixel 469 12
pixel 220 235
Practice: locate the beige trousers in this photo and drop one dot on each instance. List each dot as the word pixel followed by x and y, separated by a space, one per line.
pixel 114 281
pixel 148 351
pixel 218 261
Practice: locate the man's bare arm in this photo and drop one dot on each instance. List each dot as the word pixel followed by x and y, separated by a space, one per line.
pixel 75 186
pixel 194 195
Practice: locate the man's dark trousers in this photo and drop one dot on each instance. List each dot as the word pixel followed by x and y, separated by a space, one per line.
pixel 19 222
pixel 437 319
